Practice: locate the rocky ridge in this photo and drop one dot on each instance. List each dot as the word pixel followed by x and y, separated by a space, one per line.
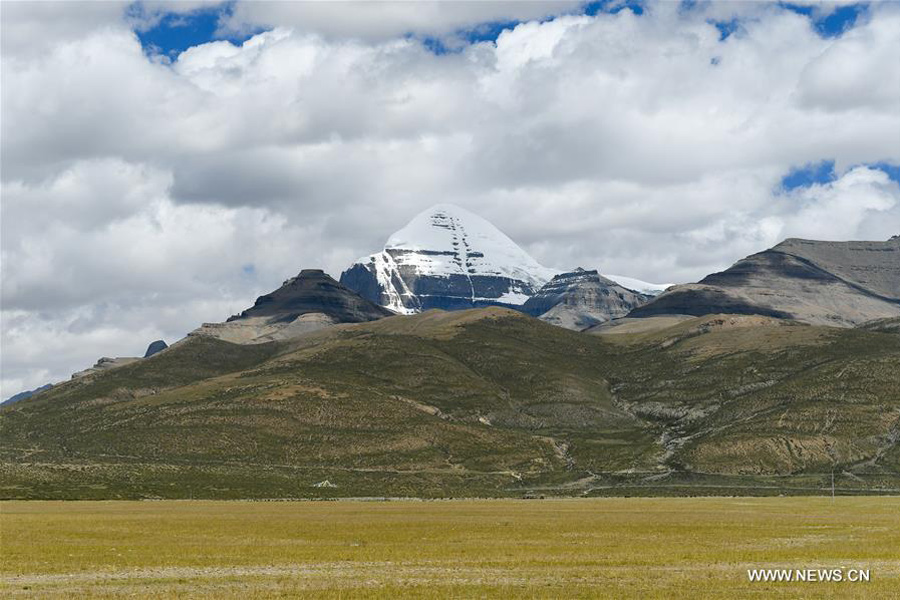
pixel 842 284
pixel 581 299
pixel 308 302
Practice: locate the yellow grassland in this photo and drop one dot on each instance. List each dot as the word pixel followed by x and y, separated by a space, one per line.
pixel 584 548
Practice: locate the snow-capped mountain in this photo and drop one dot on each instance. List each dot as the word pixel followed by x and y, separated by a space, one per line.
pixel 449 258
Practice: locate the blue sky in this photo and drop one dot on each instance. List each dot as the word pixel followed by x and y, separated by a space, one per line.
pixel 824 172
pixel 821 172
pixel 836 22
pixel 179 193
pixel 175 33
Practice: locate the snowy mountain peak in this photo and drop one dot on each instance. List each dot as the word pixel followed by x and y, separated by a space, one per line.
pixel 447 257
pixel 446 239
pixel 450 258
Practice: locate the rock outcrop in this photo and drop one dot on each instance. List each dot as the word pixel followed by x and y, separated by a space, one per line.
pixel 310 301
pixel 105 363
pixel 582 299
pixel 822 283
pixel 154 347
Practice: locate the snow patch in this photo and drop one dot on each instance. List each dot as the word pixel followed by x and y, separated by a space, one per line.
pixel 512 297
pixel 448 240
pixel 651 289
pixel 388 277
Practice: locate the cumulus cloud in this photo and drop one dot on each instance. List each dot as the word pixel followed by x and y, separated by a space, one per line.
pixel 99 261
pixel 863 201
pixel 31 28
pixel 374 20
pixel 141 198
pixel 859 69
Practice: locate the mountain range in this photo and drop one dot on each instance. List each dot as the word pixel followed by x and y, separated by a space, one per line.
pixel 479 402
pixel 449 258
pixel 842 284
pixel 453 363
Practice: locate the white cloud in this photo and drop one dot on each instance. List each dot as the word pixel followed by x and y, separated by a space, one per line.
pixel 99 261
pixel 32 28
pixel 374 20
pixel 144 15
pixel 861 204
pixel 862 68
pixel 135 193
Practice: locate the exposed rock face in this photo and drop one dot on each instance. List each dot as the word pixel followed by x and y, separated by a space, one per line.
pixel 313 291
pixel 257 330
pixel 873 266
pixel 447 258
pixel 308 302
pixel 106 363
pixel 890 325
pixel 822 283
pixel 582 299
pixel 154 347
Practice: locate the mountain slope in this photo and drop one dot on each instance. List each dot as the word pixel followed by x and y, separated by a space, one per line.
pixel 312 300
pixel 827 283
pixel 446 257
pixel 581 299
pixel 746 395
pixel 479 402
pixel 26 394
pixel 432 404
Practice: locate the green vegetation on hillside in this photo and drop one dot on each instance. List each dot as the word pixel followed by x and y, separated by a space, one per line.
pixel 485 402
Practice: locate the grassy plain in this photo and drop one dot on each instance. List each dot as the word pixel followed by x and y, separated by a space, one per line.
pixel 575 548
